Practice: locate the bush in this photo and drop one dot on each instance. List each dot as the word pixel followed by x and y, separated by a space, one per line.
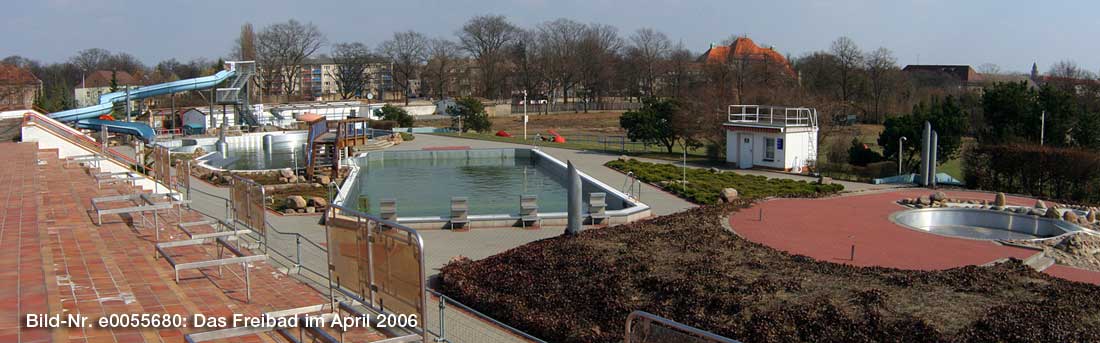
pixel 405 136
pixel 859 154
pixel 383 124
pixel 396 114
pixel 704 186
pixel 1065 174
pixel 469 114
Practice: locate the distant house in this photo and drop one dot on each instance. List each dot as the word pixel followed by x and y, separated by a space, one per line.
pixel 98 83
pixel 744 49
pixel 18 88
pixel 988 80
pixel 936 75
pixel 194 121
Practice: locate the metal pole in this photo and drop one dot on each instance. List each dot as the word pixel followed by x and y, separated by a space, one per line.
pixel 1042 127
pixel 442 323
pixel 525 115
pixel 573 226
pixel 901 142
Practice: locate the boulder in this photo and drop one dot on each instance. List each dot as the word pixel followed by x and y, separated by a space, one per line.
pixel 296 202
pixel 284 180
pixel 199 152
pixel 825 180
pixel 301 210
pixel 938 196
pixel 623 158
pixel 317 201
pixel 287 173
pixel 311 209
pixel 923 200
pixel 729 194
pixel 999 199
pixel 288 210
pixel 1035 212
pixel 1052 213
pixel 323 179
pixel 1070 216
pixel 1091 217
pixel 714 170
pixel 1039 204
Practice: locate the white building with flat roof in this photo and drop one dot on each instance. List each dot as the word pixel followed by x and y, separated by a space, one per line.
pixel 781 138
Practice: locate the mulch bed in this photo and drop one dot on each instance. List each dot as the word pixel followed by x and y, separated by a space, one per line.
pixel 688 268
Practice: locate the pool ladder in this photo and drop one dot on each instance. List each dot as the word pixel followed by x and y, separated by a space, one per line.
pixel 632 187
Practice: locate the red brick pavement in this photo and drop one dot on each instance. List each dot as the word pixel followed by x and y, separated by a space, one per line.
pixel 53 259
pixel 826 229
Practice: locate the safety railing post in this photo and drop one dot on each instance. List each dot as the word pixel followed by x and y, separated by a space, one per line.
pixel 442 321
pixel 298 252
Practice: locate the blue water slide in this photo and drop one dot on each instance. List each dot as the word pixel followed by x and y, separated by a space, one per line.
pixel 88 117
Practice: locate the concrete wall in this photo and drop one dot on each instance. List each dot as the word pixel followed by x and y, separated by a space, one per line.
pixel 65 148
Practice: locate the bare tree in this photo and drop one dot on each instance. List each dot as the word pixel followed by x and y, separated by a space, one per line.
pixel 406 52
pixel 245 47
pixel 90 60
pixel 125 62
pixel 285 46
pixel 523 55
pixel 648 50
pixel 679 74
pixel 443 57
pixel 350 74
pixel 485 38
pixel 559 42
pixel 881 67
pixel 597 55
pixel 850 60
pixel 989 68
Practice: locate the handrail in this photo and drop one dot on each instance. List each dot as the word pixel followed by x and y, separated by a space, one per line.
pixel 787 116
pixel 706 335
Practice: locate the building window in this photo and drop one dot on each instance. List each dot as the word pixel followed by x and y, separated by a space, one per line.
pixel 769 149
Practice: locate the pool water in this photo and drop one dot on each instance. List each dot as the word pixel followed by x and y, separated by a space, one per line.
pixel 424 187
pixel 249 156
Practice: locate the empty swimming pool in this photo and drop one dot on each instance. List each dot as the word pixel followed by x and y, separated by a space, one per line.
pixel 981 224
pixel 248 152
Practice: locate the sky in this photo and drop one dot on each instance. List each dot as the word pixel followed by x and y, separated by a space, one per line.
pixel 1011 34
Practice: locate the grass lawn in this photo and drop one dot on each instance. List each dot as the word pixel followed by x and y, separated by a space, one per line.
pixel 704 186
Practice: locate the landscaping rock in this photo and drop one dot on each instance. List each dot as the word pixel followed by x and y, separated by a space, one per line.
pixel 1052 213
pixel 999 199
pixel 729 194
pixel 317 201
pixel 287 173
pixel 301 210
pixel 288 210
pixel 1040 204
pixel 1091 217
pixel 825 180
pixel 1035 212
pixel 199 152
pixel 714 170
pixel 1070 216
pixel 938 196
pixel 923 200
pixel 623 158
pixel 296 202
pixel 311 209
pixel 323 179
pixel 284 180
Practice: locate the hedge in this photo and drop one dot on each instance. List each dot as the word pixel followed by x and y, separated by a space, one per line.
pixel 704 186
pixel 1064 174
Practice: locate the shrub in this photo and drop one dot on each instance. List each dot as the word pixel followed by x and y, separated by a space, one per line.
pixel 859 154
pixel 469 114
pixel 396 114
pixel 405 136
pixel 704 186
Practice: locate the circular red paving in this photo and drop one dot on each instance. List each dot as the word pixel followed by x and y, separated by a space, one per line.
pixel 827 229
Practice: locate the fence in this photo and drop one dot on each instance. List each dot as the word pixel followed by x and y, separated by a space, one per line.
pixel 576 107
pixel 644 327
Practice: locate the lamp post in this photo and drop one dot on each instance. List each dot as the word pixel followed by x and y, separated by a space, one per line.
pixel 901 141
pixel 524 115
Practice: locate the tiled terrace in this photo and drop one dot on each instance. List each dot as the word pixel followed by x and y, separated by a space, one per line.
pixel 56 260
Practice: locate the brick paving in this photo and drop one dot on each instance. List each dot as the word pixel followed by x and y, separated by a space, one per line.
pixel 55 260
pixel 826 229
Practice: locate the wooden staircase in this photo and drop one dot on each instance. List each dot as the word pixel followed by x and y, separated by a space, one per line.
pixel 324 159
pixel 329 141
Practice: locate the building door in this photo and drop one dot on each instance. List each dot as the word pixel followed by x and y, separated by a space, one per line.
pixel 744 160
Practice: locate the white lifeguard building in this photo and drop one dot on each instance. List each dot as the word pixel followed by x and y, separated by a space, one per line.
pixel 783 138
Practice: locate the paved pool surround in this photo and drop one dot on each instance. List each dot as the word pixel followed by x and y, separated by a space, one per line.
pixel 620 207
pixel 249 147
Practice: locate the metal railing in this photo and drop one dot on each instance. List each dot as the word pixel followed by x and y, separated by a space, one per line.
pixel 644 327
pixel 575 107
pixel 772 115
pixel 458 323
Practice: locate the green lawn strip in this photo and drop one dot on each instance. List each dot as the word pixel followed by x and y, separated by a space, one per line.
pixel 704 185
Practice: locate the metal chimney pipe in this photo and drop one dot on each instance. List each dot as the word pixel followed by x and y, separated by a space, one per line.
pixel 935 142
pixel 573 225
pixel 926 138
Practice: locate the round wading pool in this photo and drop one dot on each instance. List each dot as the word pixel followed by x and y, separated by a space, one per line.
pixel 981 224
